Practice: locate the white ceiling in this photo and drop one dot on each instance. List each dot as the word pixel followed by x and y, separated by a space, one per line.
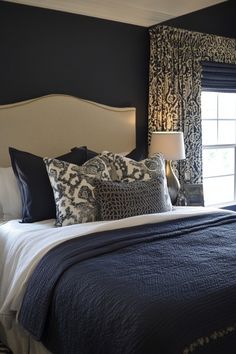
pixel 138 12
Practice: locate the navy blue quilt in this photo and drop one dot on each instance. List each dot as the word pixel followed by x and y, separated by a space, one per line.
pixel 165 288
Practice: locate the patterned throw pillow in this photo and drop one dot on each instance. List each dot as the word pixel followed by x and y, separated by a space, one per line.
pixel 130 170
pixel 73 188
pixel 127 170
pixel 118 200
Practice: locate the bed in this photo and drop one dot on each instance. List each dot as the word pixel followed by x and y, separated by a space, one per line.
pixel 159 282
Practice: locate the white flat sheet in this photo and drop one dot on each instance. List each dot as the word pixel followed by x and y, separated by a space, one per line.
pixel 23 245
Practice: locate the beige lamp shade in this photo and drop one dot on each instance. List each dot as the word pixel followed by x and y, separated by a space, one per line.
pixel 170 144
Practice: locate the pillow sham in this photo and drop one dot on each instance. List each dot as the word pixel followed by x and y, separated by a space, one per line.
pixel 118 200
pixel 10 199
pixel 35 188
pixel 73 188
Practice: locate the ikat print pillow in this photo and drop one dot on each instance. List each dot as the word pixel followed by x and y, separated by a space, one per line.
pixel 128 170
pixel 73 188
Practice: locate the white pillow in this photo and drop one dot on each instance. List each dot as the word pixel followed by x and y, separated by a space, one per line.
pixel 10 198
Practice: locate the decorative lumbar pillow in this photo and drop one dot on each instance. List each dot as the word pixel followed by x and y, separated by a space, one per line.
pixel 73 188
pixel 10 198
pixel 118 200
pixel 35 188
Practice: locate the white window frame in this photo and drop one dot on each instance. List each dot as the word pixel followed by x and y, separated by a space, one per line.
pixel 221 146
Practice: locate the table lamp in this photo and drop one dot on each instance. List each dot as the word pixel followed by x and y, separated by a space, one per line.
pixel 171 145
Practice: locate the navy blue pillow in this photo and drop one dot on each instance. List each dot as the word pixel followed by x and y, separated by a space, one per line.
pixel 36 191
pixel 136 154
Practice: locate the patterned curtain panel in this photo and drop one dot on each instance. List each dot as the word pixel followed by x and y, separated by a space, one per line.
pixel 175 87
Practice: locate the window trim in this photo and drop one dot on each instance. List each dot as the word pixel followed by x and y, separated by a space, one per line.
pixel 221 146
pixel 217 147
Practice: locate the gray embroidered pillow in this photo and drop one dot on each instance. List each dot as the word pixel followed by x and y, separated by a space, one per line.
pixel 118 200
pixel 73 188
pixel 127 170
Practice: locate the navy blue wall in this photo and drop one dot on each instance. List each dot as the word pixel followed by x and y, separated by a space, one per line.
pixel 218 19
pixel 44 51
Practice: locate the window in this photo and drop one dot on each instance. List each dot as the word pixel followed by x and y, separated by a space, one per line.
pixel 219 147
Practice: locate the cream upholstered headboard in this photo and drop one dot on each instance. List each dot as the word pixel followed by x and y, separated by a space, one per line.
pixel 51 125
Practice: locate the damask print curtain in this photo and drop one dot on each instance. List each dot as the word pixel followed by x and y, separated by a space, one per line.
pixel 175 87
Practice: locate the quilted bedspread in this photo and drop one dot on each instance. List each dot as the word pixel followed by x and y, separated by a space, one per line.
pixel 164 288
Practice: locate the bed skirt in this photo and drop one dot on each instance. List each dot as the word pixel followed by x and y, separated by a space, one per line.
pixel 4 349
pixel 19 341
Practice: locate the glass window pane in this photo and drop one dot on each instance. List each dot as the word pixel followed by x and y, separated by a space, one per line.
pixel 209 105
pixel 217 162
pixel 209 132
pixel 218 190
pixel 227 132
pixel 227 105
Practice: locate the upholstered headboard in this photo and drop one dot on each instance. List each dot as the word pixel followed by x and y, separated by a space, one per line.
pixel 51 125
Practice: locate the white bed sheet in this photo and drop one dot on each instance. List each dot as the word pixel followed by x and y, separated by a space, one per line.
pixel 23 245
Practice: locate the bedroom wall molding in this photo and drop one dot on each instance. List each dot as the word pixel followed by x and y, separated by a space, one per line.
pixel 175 87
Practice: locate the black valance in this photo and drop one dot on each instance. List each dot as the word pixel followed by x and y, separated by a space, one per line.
pixel 218 77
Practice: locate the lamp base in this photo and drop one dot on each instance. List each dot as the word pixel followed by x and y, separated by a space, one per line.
pixel 172 182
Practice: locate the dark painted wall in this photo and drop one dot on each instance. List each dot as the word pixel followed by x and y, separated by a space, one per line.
pixel 44 51
pixel 219 19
